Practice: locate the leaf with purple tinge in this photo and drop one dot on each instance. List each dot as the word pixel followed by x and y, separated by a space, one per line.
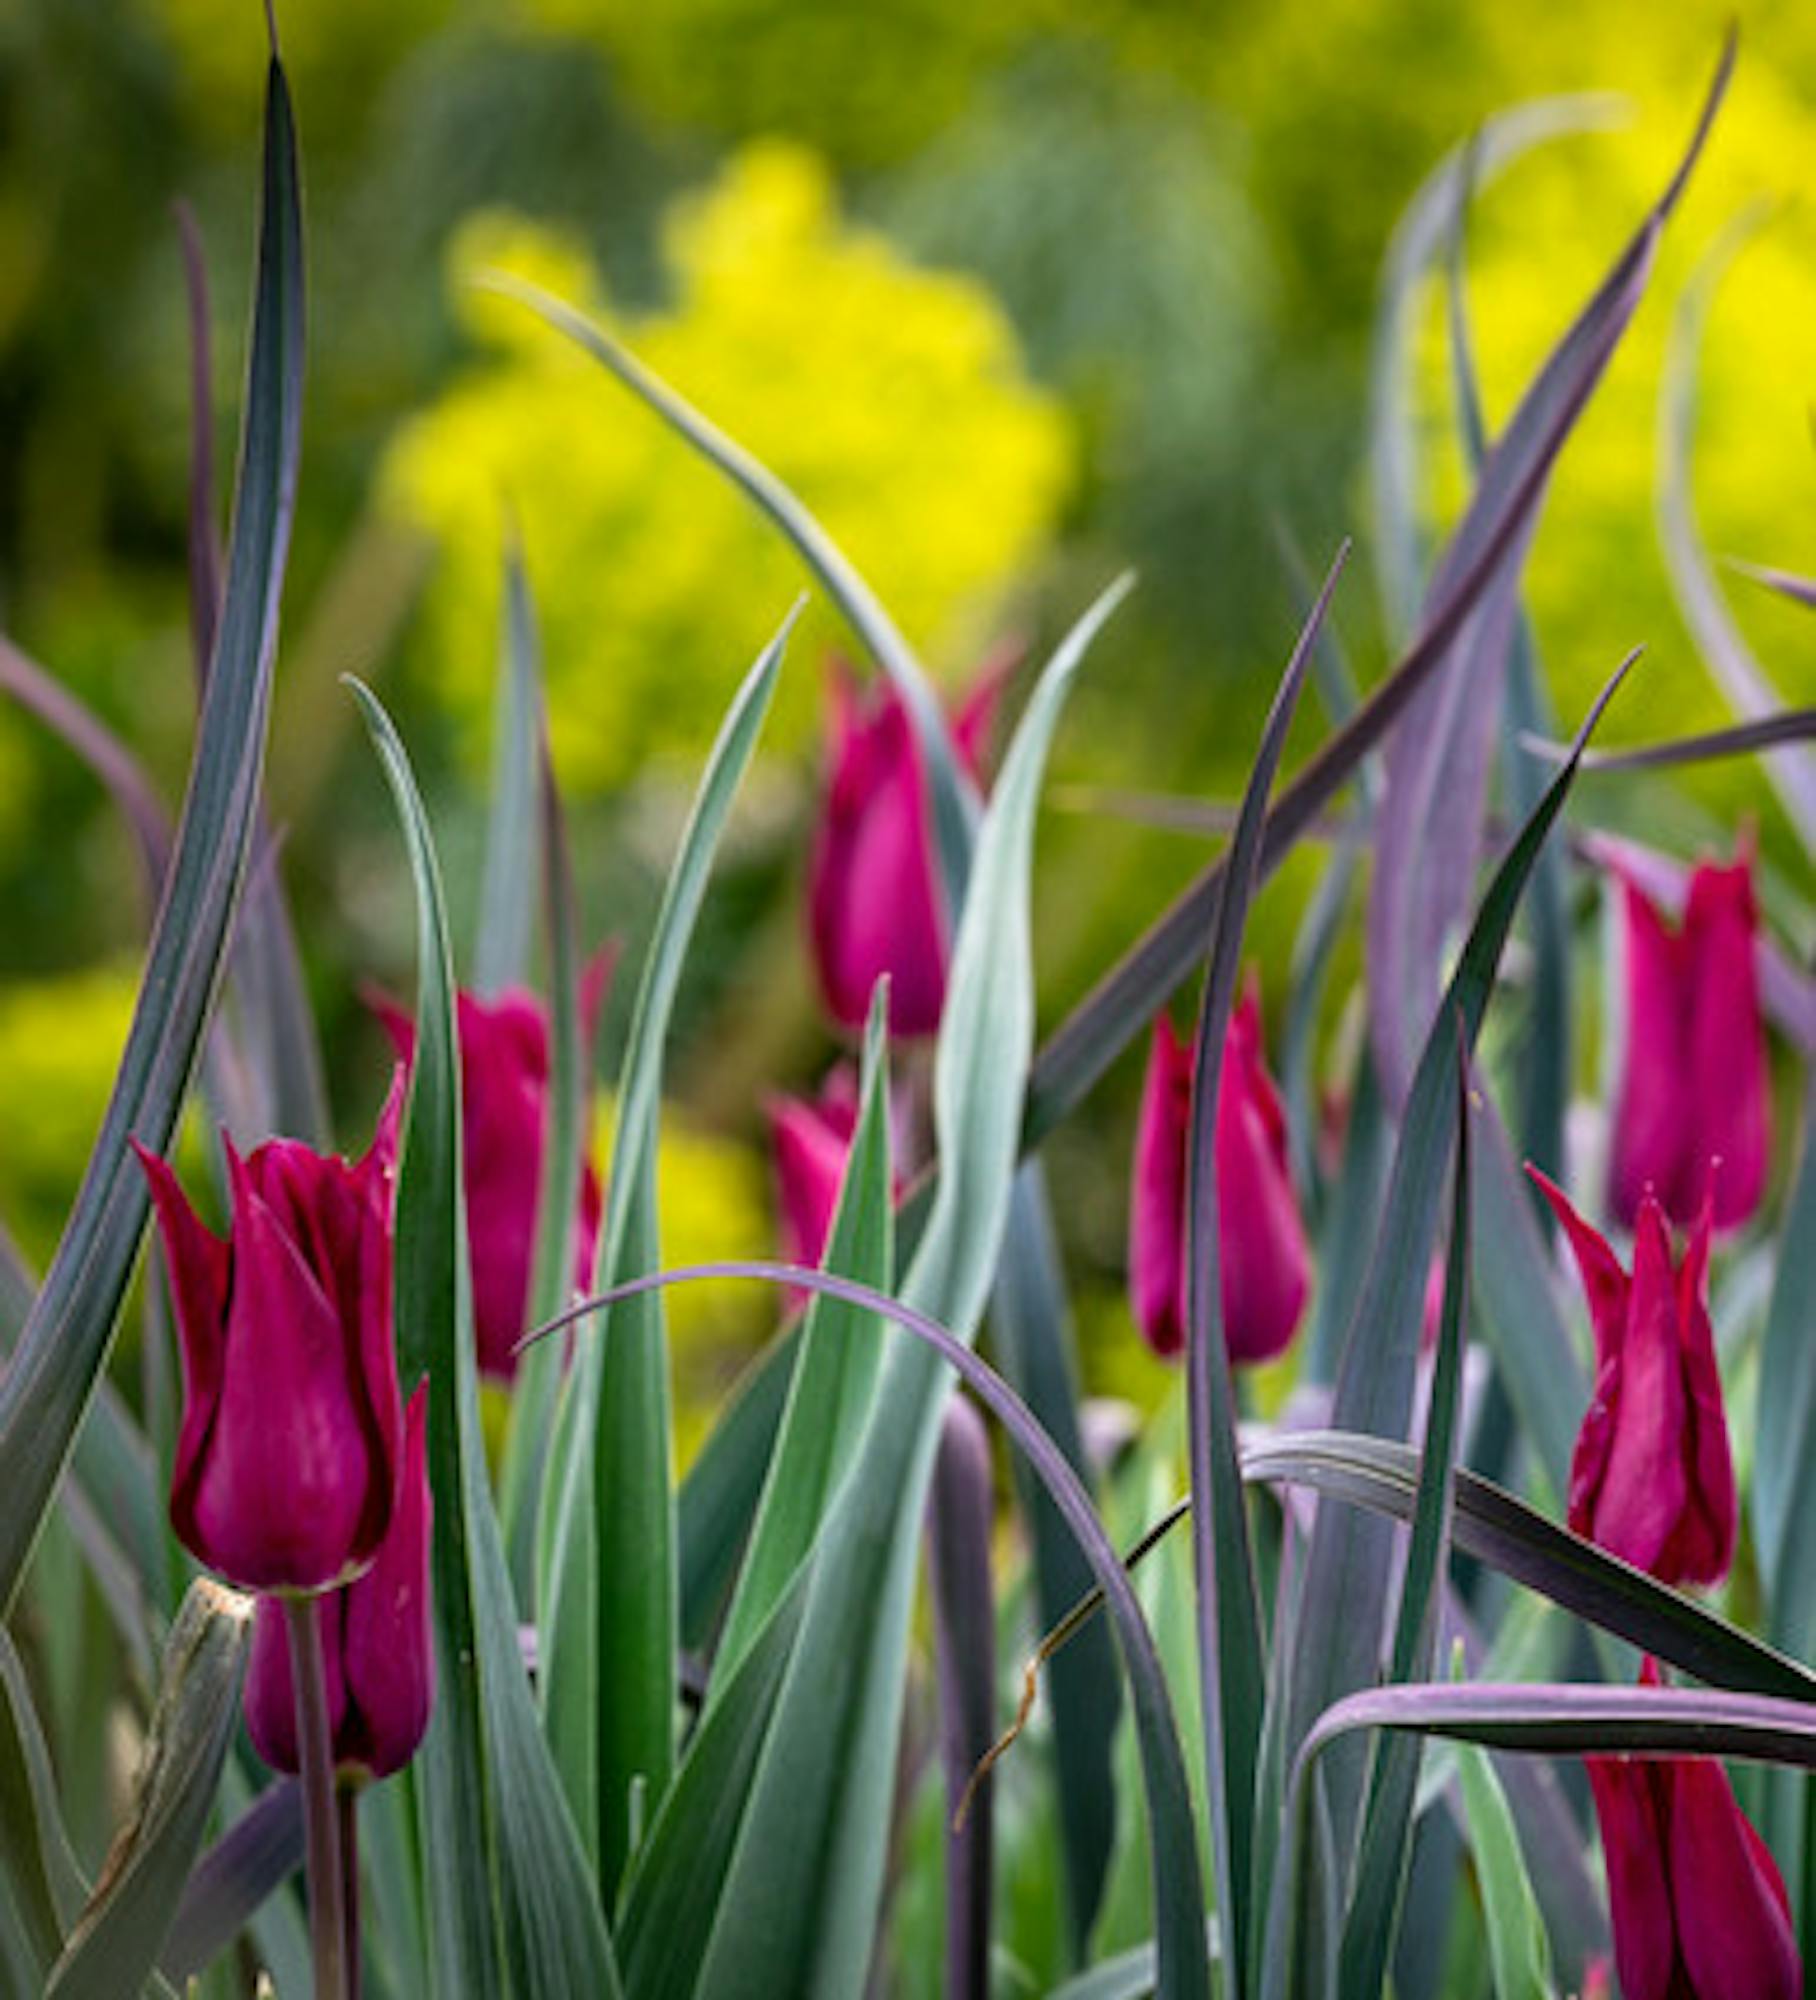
pixel 959 1523
pixel 1799 589
pixel 1418 241
pixel 1371 1921
pixel 1341 1598
pixel 1791 767
pixel 48 1385
pixel 1126 998
pixel 1232 1663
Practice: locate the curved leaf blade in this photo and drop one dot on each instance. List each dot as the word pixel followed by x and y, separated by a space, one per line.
pixel 51 1379
pixel 509 1900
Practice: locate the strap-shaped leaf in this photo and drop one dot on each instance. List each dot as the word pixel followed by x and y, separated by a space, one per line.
pixel 838 1363
pixel 606 1599
pixel 1178 1888
pixel 1792 766
pixel 501 952
pixel 1232 1667
pixel 1098 1028
pixel 1500 1529
pixel 48 1385
pixel 1417 243
pixel 509 1901
pixel 1340 1604
pixel 1371 1923
pixel 1784 1457
pixel 114 1944
pixel 954 797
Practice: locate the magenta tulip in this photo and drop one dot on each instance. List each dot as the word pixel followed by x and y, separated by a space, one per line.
pixel 874 900
pixel 287 1455
pixel 812 1139
pixel 504 1091
pixel 378 1648
pixel 1651 1479
pixel 1264 1266
pixel 1692 1114
pixel 1698 1905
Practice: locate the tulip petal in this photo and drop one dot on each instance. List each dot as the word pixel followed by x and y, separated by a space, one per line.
pixel 1702 1550
pixel 287 1492
pixel 874 906
pixel 1604 1282
pixel 1733 1922
pixel 198 1263
pixel 1644 1487
pixel 389 1654
pixel 1650 1123
pixel 1627 1805
pixel 1729 1098
pixel 1263 1261
pixel 269 1698
pixel 1157 1193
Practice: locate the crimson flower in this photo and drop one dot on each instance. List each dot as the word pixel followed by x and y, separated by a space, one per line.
pixel 287 1455
pixel 504 1092
pixel 1698 1905
pixel 1651 1479
pixel 1692 1111
pixel 1264 1266
pixel 378 1647
pixel 874 901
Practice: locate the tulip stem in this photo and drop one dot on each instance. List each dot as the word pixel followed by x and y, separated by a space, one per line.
pixel 347 1799
pixel 321 1815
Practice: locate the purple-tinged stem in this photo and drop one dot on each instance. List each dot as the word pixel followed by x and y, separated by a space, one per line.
pixel 321 1817
pixel 347 1799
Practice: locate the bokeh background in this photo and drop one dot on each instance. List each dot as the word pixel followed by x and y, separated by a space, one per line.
pixel 1015 295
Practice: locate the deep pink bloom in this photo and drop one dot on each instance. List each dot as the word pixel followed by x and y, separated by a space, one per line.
pixel 287 1456
pixel 1651 1479
pixel 1692 1113
pixel 378 1646
pixel 504 1093
pixel 874 900
pixel 1698 1905
pixel 1264 1266
pixel 812 1139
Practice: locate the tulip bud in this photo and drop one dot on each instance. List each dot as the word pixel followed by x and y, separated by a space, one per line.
pixel 1692 1112
pixel 378 1647
pixel 1264 1267
pixel 874 899
pixel 1698 1905
pixel 286 1459
pixel 504 1091
pixel 1651 1479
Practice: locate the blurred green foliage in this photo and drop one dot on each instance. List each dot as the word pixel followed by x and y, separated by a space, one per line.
pixel 1018 295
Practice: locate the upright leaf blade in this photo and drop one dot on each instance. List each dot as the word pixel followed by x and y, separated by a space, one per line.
pixel 1372 1920
pixel 509 1900
pixel 48 1385
pixel 1340 1602
pixel 839 1360
pixel 607 1595
pixel 502 949
pixel 1232 1668
pixel 1513 479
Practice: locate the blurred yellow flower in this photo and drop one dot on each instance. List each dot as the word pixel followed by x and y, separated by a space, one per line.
pixel 60 1040
pixel 893 400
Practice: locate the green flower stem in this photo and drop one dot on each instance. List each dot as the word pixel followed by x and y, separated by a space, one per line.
pixel 321 1817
